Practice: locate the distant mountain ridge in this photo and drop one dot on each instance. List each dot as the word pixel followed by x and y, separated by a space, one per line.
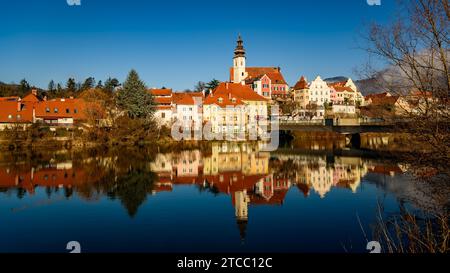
pixel 365 86
pixel 336 79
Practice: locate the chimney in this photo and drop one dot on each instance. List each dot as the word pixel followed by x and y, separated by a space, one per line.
pixel 45 98
pixel 34 92
pixel 227 85
pixel 229 96
pixel 19 106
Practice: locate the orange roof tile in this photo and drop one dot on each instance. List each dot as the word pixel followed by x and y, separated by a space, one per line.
pixel 342 89
pixel 9 99
pixel 186 98
pixel 66 108
pixel 238 91
pixel 273 73
pixel 163 100
pixel 161 92
pixel 301 84
pixel 30 98
pixel 14 111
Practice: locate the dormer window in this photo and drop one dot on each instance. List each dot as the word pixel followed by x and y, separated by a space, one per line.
pixel 56 110
pixel 47 110
pixel 233 100
pixel 220 100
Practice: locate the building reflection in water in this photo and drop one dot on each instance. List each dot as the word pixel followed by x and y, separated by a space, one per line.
pixel 248 176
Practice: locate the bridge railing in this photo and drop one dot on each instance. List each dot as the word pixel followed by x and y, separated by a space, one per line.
pixel 302 122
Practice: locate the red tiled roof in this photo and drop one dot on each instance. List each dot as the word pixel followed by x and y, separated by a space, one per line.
pixel 163 107
pixel 161 92
pixel 382 99
pixel 223 101
pixel 9 99
pixel 62 106
pixel 234 90
pixel 276 77
pixel 257 72
pixel 186 98
pixel 19 112
pixel 163 100
pixel 301 84
pixel 30 98
pixel 342 89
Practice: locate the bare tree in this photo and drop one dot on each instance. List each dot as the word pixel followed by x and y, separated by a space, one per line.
pixel 416 50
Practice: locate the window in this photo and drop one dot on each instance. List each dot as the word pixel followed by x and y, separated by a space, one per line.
pixel 220 100
pixel 10 116
pixel 19 116
pixel 67 111
pixel 163 115
pixel 55 110
pixel 75 110
pixel 47 110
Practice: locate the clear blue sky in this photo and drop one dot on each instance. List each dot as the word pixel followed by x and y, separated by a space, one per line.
pixel 177 43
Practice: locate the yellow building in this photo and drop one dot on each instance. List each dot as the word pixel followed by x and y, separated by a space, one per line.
pixel 235 112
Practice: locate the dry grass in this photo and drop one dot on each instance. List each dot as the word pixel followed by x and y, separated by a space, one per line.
pixel 407 233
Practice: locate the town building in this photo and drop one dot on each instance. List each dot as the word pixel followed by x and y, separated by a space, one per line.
pixel 188 111
pixel 233 109
pixel 267 82
pixel 301 93
pixel 346 92
pixel 385 104
pixel 163 98
pixel 319 92
pixel 16 112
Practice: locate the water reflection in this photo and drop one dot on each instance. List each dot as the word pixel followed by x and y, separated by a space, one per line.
pixel 248 176
pixel 248 180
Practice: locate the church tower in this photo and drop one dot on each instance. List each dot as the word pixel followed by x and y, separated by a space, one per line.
pixel 239 74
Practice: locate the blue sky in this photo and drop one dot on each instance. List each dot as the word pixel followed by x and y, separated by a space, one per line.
pixel 177 43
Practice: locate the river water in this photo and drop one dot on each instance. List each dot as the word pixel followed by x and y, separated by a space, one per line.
pixel 227 197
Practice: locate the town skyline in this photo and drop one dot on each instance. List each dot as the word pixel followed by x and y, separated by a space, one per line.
pixel 189 51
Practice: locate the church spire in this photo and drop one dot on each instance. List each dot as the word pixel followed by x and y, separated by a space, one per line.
pixel 239 51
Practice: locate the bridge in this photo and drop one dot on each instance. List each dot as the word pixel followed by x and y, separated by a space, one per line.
pixel 341 126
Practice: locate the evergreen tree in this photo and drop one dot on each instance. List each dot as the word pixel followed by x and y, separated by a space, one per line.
pixel 89 83
pixel 59 88
pixel 71 85
pixel 134 98
pixel 212 84
pixel 99 85
pixel 111 84
pixel 24 86
pixel 51 86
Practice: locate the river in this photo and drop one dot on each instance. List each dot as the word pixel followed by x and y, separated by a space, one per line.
pixel 228 197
